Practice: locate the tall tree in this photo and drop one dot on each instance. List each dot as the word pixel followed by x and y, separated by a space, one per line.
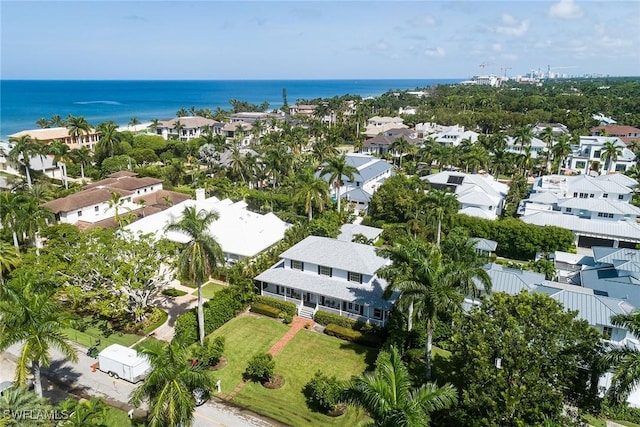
pixel 24 148
pixel 389 398
pixel 312 191
pixel 200 255
pixel 110 139
pixel 169 387
pixel 337 168
pixel 418 272
pixel 60 152
pixel 561 150
pixel 442 204
pixel 134 122
pixel 10 209
pixel 81 156
pixel 401 146
pixel 524 135
pixel 624 359
pixel 9 259
pixel 32 316
pixel 178 127
pixel 610 154
pixel 116 203
pixel 77 126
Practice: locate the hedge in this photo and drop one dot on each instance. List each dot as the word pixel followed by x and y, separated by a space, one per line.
pixel 284 306
pixel 224 306
pixel 267 310
pixel 353 336
pixel 517 239
pixel 325 318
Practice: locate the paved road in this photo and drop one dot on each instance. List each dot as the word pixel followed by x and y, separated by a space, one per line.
pixel 80 379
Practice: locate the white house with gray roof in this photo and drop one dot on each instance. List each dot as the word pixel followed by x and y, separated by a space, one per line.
pixel 615 272
pixel 371 174
pixel 479 195
pixel 586 157
pixel 184 128
pixel 335 276
pixel 597 209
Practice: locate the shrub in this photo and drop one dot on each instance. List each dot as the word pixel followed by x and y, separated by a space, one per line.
pixel 286 318
pixel 210 352
pixel 284 306
pixel 352 335
pixel 224 306
pixel 265 309
pixel 173 292
pixel 261 367
pixel 325 318
pixel 322 392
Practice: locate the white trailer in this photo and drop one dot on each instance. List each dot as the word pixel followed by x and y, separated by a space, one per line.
pixel 123 362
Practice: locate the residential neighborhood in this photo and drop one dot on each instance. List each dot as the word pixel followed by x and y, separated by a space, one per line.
pixel 277 259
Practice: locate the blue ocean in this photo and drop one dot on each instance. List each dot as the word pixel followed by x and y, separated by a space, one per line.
pixel 23 102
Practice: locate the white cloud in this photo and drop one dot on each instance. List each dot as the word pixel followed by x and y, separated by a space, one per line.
pixel 497 47
pixel 434 51
pixel 425 21
pixel 565 9
pixel 511 27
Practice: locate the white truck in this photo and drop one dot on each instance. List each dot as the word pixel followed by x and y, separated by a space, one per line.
pixel 123 362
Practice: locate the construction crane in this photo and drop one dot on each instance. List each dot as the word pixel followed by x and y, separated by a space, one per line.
pixel 504 70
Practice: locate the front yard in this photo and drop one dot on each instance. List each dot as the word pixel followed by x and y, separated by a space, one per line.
pixel 306 353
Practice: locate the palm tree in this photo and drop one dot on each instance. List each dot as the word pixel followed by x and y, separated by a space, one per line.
pixel 337 168
pixel 134 122
pixel 442 204
pixel 418 272
pixel 24 147
pixel 169 387
pixel 610 153
pixel 9 258
pixel 57 121
pixel 402 146
pixel 32 218
pixel 60 152
pixel 43 123
pixel 313 191
pixel 77 126
pixel 524 135
pixel 32 316
pixel 561 150
pixel 177 126
pixel 201 254
pixel 624 359
pixel 86 413
pixel 155 123
pixel 182 112
pixel 10 207
pixel 116 202
pixel 110 138
pixel 388 397
pixel 21 400
pixel 81 156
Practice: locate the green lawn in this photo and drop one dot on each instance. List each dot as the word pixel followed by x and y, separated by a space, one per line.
pixel 245 336
pixel 306 353
pixel 146 343
pixel 116 417
pixel 88 337
pixel 210 289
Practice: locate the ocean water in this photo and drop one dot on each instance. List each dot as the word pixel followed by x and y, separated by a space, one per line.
pixel 22 102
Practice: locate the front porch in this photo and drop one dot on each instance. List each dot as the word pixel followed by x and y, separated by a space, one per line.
pixel 307 301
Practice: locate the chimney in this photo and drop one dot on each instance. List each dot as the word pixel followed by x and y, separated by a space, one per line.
pixel 200 195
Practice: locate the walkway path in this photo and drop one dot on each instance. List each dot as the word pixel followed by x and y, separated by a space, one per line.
pixel 297 324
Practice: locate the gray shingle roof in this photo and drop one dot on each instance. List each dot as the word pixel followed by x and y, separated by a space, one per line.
pixel 330 287
pixel 338 254
pixel 347 231
pixel 484 244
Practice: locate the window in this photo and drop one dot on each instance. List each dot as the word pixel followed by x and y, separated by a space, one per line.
pixel 79 213
pixel 600 214
pixel 596 154
pixel 325 271
pixel 96 208
pixel 605 195
pixel 297 265
pixel 455 179
pixel 568 210
pixel 620 196
pixel 607 331
pixel 584 195
pixel 605 215
pixel 591 196
pixel 355 277
pixel 377 313
pixel 575 194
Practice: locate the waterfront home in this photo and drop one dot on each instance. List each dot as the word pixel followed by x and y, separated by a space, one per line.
pixel 239 232
pixel 479 195
pixel 185 128
pixel 96 204
pixel 320 273
pixel 307 110
pixel 49 135
pixel 238 131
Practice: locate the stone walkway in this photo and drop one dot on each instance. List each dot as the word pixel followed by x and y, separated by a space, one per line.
pixel 297 324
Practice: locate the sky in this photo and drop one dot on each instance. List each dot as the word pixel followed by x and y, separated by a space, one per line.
pixel 215 40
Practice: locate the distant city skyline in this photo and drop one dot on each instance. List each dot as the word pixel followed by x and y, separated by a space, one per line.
pixel 316 40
